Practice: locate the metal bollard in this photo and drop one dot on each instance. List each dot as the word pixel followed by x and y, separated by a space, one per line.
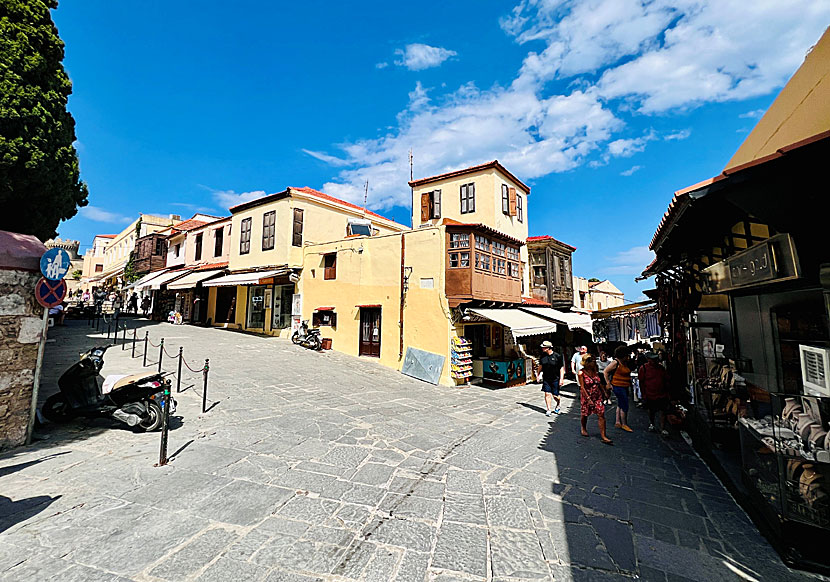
pixel 204 388
pixel 109 328
pixel 135 332
pixel 161 353
pixel 146 340
pixel 165 420
pixel 124 339
pixel 115 336
pixel 179 375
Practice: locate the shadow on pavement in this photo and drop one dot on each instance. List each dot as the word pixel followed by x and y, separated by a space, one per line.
pixel 13 512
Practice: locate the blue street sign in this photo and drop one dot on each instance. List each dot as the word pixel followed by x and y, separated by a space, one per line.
pixel 55 264
pixel 50 293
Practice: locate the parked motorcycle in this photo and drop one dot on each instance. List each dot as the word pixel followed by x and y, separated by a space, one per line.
pixel 308 338
pixel 135 400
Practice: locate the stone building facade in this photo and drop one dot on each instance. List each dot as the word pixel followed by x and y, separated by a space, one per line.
pixel 21 330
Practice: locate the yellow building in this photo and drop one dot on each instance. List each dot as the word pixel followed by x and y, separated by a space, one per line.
pixel 484 194
pixel 596 295
pixel 266 260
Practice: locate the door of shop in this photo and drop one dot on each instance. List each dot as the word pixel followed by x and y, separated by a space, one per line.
pixel 370 332
pixel 256 307
pixel 225 304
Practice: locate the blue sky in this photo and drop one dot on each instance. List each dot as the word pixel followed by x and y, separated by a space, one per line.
pixel 604 107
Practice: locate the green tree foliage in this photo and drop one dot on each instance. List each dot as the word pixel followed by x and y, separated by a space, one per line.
pixel 40 182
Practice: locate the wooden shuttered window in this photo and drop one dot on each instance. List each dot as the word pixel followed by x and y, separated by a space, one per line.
pixel 519 208
pixel 468 198
pixel 198 253
pixel 430 205
pixel 505 199
pixel 512 201
pixel 330 266
pixel 297 232
pixel 218 241
pixel 269 220
pixel 245 237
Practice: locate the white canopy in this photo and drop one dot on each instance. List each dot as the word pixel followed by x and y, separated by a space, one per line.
pixel 145 280
pixel 244 278
pixel 519 322
pixel 572 320
pixel 166 278
pixel 193 278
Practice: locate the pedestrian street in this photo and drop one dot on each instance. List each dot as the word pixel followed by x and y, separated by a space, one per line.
pixel 322 466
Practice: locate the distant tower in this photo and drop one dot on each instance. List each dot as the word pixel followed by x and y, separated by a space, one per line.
pixel 70 246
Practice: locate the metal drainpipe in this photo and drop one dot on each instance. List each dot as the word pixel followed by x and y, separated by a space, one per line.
pixel 403 293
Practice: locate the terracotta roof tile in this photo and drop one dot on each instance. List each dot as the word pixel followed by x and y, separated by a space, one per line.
pixel 324 196
pixel 470 170
pixel 534 301
pixel 187 225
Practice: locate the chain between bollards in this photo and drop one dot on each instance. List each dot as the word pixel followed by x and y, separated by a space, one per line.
pixel 204 388
pixel 165 419
pixel 179 374
pixel 146 340
pixel 161 353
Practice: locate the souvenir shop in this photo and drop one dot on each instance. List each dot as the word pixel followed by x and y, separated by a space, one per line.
pixel 627 324
pixel 743 274
pixel 498 347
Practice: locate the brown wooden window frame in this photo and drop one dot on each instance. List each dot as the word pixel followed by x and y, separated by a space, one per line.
pixel 269 229
pixel 519 208
pixel 324 318
pixel 99 268
pixel 505 199
pixel 460 260
pixel 218 241
pixel 245 236
pixel 483 261
pixel 467 194
pixel 297 228
pixel 330 266
pixel 197 254
pixel 459 240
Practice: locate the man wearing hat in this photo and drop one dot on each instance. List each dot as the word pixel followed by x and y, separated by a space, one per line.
pixel 553 375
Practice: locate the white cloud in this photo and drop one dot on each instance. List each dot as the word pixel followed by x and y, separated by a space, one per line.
pixel 755 114
pixel 382 65
pixel 417 56
pixel 630 171
pixel 614 56
pixel 100 215
pixel 228 198
pixel 678 135
pixel 629 262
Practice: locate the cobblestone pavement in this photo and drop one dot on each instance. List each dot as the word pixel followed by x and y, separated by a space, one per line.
pixel 320 466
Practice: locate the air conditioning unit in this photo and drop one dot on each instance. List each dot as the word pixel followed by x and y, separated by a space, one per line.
pixel 815 370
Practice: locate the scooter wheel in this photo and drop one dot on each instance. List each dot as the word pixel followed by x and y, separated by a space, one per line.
pixel 153 420
pixel 56 409
pixel 295 338
pixel 314 343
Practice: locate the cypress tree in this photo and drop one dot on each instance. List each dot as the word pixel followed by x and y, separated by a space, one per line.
pixel 40 182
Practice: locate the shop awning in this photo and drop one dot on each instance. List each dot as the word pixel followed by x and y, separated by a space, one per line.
pixel 166 278
pixel 146 279
pixel 572 320
pixel 251 278
pixel 520 322
pixel 189 281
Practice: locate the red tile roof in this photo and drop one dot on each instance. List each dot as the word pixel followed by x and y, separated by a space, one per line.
pixel 470 170
pixel 106 235
pixel 548 237
pixel 187 225
pixel 534 301
pixel 212 266
pixel 324 196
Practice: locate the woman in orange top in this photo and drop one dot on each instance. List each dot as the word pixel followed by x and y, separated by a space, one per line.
pixel 618 376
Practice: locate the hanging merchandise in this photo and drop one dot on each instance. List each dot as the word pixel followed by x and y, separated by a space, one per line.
pixel 461 363
pixel 613 330
pixel 600 331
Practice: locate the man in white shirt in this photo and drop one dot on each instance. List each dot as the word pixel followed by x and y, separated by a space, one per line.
pixel 576 360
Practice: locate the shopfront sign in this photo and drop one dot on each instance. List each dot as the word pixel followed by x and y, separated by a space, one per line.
pixel 772 260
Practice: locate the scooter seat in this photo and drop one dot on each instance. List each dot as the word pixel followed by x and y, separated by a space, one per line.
pixel 116 381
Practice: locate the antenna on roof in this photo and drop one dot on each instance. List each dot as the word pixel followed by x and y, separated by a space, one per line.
pixel 365 196
pixel 410 165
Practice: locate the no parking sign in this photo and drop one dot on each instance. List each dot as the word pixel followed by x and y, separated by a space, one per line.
pixel 50 293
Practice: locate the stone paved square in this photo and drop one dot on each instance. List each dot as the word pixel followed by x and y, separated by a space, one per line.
pixel 320 466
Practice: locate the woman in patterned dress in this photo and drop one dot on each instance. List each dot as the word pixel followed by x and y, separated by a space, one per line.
pixel 591 397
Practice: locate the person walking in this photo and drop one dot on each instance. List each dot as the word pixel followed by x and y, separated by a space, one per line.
pixel 591 397
pixel 145 305
pixel 132 305
pixel 602 363
pixel 618 376
pixel 553 375
pixel 654 383
pixel 576 360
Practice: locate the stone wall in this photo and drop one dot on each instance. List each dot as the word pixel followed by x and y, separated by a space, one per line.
pixel 21 325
